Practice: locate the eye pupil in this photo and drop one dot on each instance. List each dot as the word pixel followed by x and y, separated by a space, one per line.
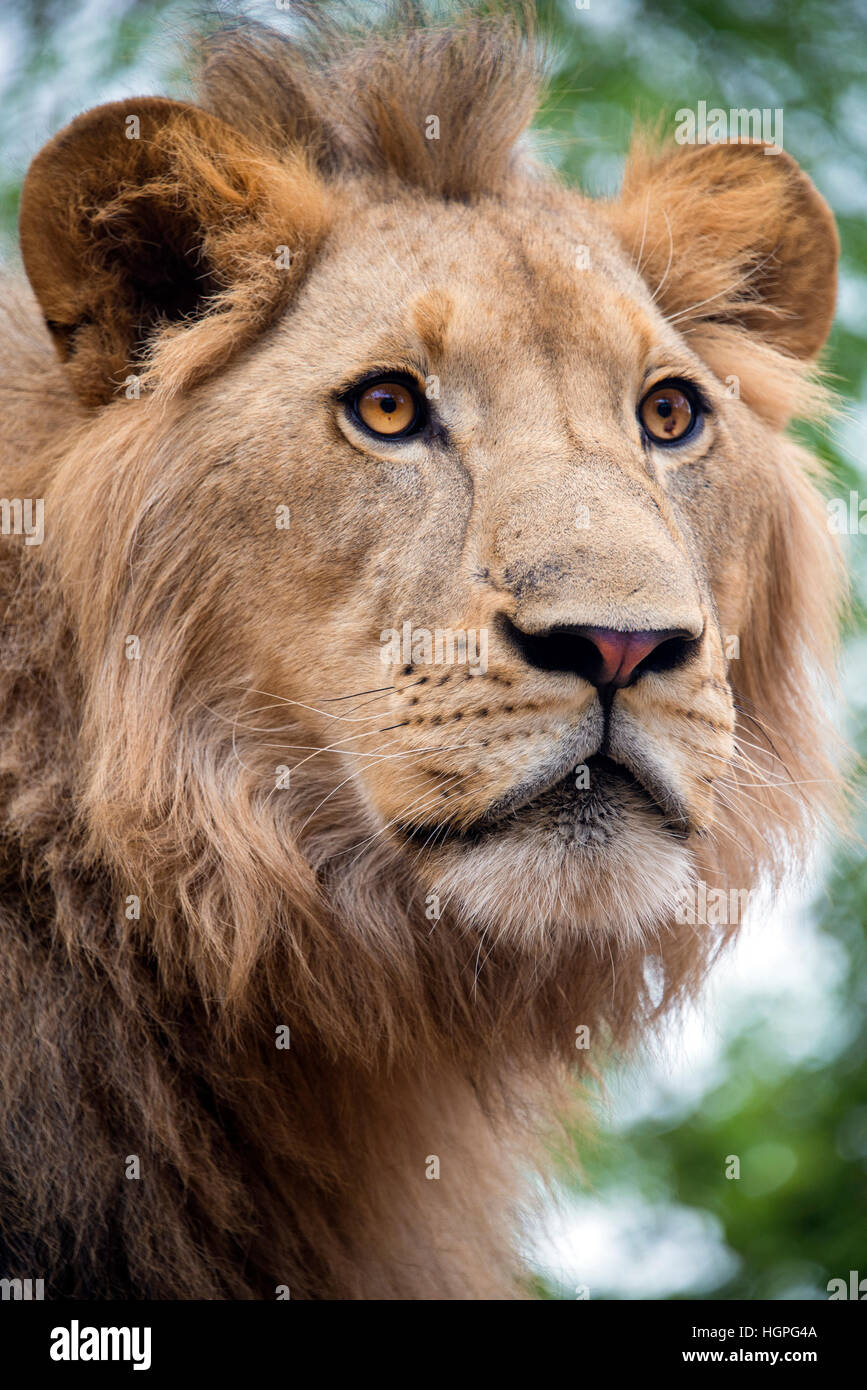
pixel 663 408
pixel 388 404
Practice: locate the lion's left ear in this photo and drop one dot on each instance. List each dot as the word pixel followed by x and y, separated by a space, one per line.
pixel 159 241
pixel 727 234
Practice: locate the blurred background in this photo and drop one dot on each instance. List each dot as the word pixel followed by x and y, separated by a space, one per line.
pixel 772 1065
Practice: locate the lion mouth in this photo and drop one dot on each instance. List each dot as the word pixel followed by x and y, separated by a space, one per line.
pixel 584 807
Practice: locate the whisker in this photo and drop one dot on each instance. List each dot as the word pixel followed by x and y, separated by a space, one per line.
pixel 643 235
pixel 357 694
pixel 300 704
pixel 670 256
pixel 753 270
pixel 425 799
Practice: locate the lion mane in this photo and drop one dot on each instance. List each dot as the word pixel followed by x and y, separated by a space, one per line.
pixel 164 920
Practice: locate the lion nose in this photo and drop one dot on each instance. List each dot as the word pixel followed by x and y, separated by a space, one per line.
pixel 604 656
pixel 614 658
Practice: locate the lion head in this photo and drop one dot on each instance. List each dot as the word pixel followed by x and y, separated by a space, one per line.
pixel 445 597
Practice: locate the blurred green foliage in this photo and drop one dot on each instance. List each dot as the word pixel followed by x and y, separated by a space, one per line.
pixel 798 1215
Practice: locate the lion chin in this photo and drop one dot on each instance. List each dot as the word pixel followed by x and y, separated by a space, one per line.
pixel 591 862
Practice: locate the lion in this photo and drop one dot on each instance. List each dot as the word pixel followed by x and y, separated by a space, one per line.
pixel 430 601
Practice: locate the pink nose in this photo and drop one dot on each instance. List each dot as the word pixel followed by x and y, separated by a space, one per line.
pixel 621 653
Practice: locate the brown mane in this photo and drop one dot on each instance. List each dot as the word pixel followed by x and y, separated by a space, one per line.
pixel 358 101
pixel 155 1036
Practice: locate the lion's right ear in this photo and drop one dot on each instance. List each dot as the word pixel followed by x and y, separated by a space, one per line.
pixel 159 241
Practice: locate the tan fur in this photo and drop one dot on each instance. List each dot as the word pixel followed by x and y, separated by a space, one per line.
pixel 259 648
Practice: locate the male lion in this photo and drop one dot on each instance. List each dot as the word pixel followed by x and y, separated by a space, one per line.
pixel 300 924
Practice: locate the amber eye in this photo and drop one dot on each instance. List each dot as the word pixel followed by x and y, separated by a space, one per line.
pixel 669 412
pixel 388 407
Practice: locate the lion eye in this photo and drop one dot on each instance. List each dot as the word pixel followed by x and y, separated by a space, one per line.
pixel 669 412
pixel 388 408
